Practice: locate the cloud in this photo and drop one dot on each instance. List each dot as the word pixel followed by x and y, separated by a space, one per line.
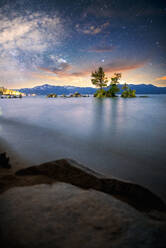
pixel 161 78
pixel 61 60
pixel 63 71
pixel 79 74
pixel 91 29
pixel 67 71
pixel 101 49
pixel 82 76
pixel 123 65
pixel 62 66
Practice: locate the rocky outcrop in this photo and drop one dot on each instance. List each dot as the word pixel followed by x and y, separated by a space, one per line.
pixel 4 161
pixel 69 171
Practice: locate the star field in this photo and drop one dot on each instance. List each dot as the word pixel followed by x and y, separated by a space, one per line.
pixel 61 42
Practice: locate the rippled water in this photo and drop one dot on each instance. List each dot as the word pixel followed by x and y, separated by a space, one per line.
pixel 121 137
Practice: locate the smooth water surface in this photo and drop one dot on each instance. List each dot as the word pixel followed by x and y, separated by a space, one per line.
pixel 125 138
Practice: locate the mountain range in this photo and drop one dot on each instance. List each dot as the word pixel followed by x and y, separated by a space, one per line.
pixel 59 90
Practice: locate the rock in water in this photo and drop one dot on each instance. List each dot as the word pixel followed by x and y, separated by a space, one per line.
pixel 4 161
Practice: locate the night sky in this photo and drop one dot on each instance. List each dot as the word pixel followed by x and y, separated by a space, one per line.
pixel 60 42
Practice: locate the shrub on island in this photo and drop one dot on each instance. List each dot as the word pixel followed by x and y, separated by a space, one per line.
pixel 52 95
pixel 63 95
pixel 113 87
pixel 100 93
pixel 76 94
pixel 127 93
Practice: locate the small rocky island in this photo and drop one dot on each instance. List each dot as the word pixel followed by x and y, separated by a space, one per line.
pixel 76 94
pixel 109 89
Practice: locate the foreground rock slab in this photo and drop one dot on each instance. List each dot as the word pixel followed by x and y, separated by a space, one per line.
pixel 69 171
pixel 62 216
pixel 63 204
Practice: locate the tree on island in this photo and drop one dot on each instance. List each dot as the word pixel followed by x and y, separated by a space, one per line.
pixel 127 93
pixel 125 87
pixel 113 87
pixel 99 80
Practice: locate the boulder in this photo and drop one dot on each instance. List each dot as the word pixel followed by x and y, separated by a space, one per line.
pixel 63 216
pixel 4 161
pixel 69 171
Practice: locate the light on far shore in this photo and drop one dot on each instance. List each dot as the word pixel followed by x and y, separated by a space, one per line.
pixel 4 91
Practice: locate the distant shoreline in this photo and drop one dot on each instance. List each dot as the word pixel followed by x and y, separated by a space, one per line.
pixel 46 89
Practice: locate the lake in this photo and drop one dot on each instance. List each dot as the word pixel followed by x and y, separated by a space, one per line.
pixel 125 138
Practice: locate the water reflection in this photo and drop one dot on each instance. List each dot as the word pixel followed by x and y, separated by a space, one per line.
pixel 98 115
pixel 0 116
pixel 107 117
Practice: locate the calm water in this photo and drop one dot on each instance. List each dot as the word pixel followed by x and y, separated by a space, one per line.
pixel 120 137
